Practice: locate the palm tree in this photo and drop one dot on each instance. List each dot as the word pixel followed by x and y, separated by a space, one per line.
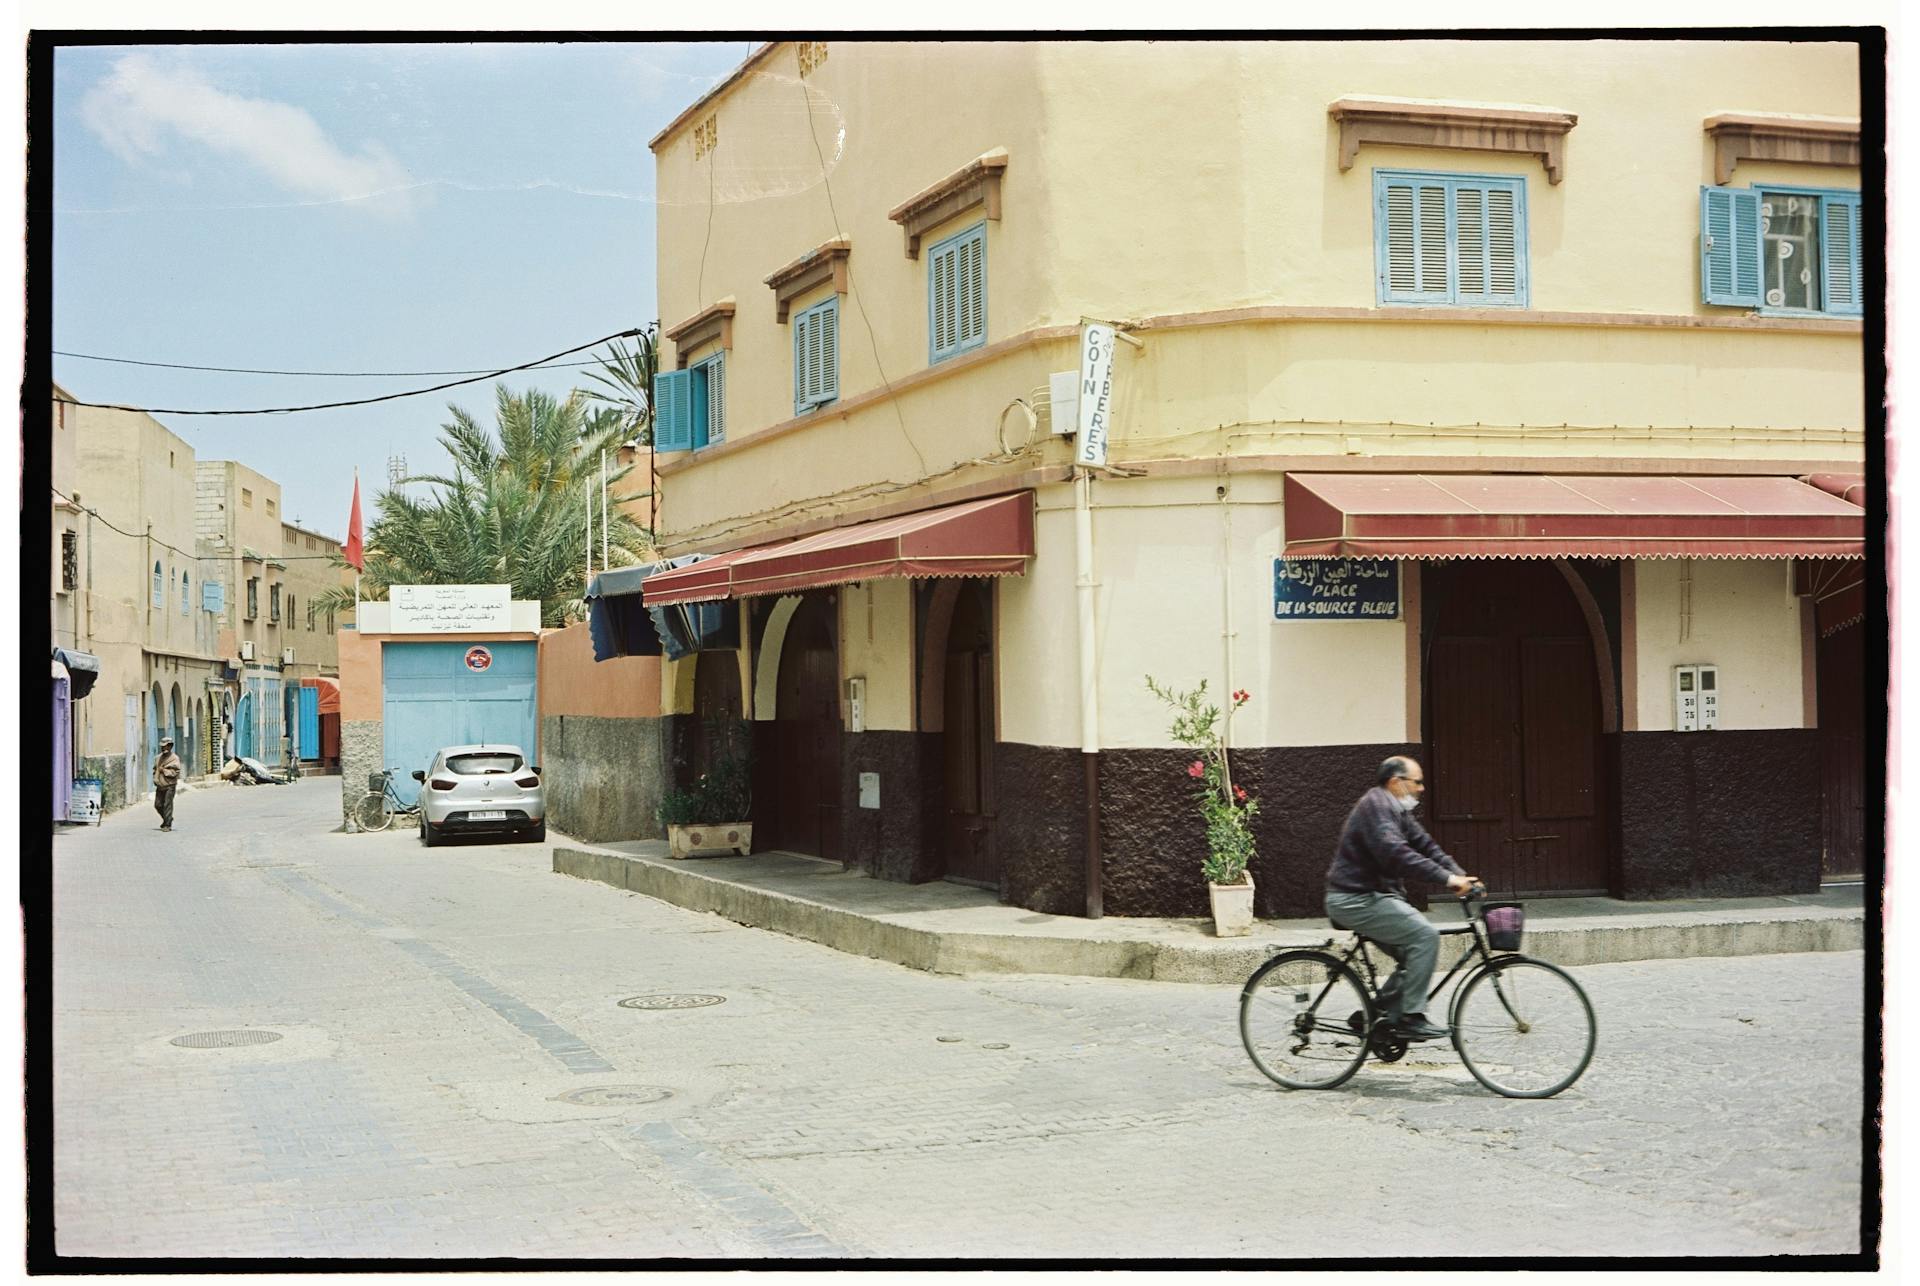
pixel 511 511
pixel 627 376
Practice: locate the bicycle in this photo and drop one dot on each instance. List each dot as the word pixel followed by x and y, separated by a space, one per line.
pixel 380 805
pixel 1523 1027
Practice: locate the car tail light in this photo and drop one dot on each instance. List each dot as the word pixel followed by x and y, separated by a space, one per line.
pixel 439 784
pixel 528 782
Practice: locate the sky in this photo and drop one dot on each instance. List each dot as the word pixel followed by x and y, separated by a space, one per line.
pixel 351 207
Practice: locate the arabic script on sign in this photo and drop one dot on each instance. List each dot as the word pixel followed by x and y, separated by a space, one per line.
pixel 1336 589
pixel 450 609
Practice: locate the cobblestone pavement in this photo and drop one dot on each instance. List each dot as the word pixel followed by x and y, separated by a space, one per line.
pixel 434 1007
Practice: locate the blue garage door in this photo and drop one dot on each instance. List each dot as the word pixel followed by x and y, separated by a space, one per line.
pixel 435 697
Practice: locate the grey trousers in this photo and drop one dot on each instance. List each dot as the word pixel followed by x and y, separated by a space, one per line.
pixel 163 805
pixel 1414 944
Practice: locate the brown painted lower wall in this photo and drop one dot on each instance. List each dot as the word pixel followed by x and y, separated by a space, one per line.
pixel 900 840
pixel 1719 814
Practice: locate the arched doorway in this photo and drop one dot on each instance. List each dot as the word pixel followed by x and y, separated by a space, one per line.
pixel 156 720
pixel 1513 719
pixel 806 733
pixel 967 731
pixel 1842 696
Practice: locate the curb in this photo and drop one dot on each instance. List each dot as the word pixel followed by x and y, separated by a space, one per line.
pixel 1604 940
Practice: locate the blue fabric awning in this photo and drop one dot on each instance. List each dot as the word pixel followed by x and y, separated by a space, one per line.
pixel 620 625
pixel 83 668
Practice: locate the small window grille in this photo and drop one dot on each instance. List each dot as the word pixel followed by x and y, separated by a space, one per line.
pixel 69 560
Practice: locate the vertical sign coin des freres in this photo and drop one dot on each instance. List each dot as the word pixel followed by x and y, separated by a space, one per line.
pixel 1096 394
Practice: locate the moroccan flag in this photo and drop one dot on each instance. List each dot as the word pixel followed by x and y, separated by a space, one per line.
pixel 354 553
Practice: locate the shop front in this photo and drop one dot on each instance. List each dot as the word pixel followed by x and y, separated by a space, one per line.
pixel 1590 668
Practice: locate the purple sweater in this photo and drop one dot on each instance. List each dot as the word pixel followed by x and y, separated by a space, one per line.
pixel 1381 846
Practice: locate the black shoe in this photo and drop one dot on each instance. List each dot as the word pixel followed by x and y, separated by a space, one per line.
pixel 1416 1027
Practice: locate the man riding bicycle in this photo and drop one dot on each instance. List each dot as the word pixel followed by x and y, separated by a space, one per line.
pixel 1380 846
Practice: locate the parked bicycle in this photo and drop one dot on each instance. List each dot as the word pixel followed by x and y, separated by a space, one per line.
pixel 1522 1026
pixel 381 804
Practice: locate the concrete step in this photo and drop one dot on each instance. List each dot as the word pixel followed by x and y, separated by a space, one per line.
pixel 946 928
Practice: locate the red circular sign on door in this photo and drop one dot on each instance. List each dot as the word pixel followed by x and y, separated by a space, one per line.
pixel 478 658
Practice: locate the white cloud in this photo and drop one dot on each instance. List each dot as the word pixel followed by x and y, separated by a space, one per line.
pixel 140 103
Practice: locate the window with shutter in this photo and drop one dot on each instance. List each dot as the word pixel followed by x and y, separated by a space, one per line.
pixel 1781 250
pixel 816 355
pixel 184 607
pixel 1450 239
pixel 673 411
pixel 159 599
pixel 957 293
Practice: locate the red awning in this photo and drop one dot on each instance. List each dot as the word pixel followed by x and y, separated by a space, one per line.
pixel 1850 487
pixel 329 693
pixel 1838 589
pixel 991 537
pixel 1534 515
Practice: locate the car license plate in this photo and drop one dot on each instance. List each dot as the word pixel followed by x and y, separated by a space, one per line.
pixel 489 815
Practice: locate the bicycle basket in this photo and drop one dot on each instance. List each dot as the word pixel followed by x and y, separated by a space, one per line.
pixel 1505 922
pixel 376 782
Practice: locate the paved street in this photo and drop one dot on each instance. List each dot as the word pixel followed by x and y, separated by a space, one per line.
pixel 455 1075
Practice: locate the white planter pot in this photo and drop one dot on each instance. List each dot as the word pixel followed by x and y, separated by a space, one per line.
pixel 710 839
pixel 1232 907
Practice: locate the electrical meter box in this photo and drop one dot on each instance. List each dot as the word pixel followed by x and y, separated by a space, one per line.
pixel 1696 698
pixel 1709 697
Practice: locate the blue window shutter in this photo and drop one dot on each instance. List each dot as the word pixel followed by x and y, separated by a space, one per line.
pixel 1730 247
pixel 802 331
pixel 1842 289
pixel 1489 242
pixel 971 307
pixel 940 301
pixel 717 398
pixel 1412 238
pixel 673 411
pixel 828 324
pixel 697 421
pixel 213 595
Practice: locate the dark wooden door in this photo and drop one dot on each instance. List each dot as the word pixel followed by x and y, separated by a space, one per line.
pixel 968 736
pixel 1513 726
pixel 716 706
pixel 807 733
pixel 1843 749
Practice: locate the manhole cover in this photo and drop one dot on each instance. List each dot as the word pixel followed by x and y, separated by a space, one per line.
pixel 225 1039
pixel 614 1095
pixel 671 1002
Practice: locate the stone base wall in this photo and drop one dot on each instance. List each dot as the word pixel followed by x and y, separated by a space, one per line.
pixel 1151 839
pixel 112 772
pixel 604 777
pixel 900 840
pixel 1719 814
pixel 361 745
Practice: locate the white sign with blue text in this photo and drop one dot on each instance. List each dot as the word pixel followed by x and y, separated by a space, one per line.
pixel 1336 589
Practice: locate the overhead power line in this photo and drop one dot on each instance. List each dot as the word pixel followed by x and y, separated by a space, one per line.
pixel 257 370
pixel 199 558
pixel 363 401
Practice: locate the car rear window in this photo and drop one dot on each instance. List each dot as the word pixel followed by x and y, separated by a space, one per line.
pixel 478 764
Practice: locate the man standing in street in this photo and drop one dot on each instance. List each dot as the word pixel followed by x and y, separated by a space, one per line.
pixel 1380 847
pixel 166 777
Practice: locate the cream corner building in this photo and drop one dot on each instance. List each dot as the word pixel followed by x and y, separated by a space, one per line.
pixel 1435 265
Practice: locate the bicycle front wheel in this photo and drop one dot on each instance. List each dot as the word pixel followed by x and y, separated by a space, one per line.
pixel 373 813
pixel 1304 1018
pixel 1524 1028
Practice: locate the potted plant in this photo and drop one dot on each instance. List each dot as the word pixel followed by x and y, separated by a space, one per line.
pixel 714 814
pixel 1226 808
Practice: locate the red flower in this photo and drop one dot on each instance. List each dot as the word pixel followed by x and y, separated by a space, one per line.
pixel 1196 769
pixel 1240 793
pixel 1241 697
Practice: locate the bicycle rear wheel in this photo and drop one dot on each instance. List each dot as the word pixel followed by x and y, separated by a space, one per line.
pixel 1524 1028
pixel 1304 1018
pixel 373 812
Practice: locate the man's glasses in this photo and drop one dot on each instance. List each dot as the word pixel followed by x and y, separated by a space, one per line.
pixel 1418 781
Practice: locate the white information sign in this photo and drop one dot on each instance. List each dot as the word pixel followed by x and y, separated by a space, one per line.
pixel 450 609
pixel 1096 394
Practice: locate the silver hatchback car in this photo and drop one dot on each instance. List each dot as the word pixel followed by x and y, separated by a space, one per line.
pixel 481 790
